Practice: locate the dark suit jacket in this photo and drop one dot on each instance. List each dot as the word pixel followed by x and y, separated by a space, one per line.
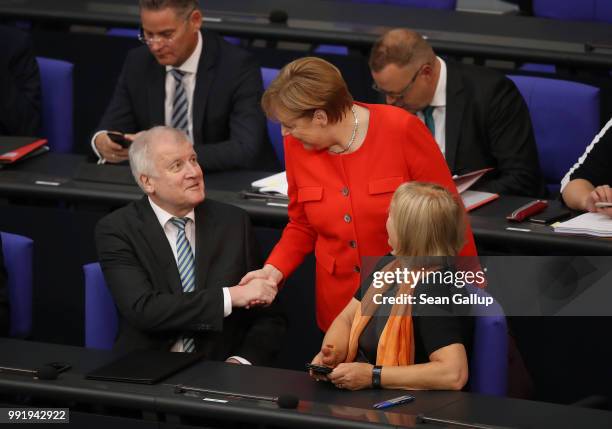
pixel 488 125
pixel 4 304
pixel 19 85
pixel 229 127
pixel 143 278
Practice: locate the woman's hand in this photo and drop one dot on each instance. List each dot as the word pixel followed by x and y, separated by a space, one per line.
pixel 352 376
pixel 269 272
pixel 601 194
pixel 328 356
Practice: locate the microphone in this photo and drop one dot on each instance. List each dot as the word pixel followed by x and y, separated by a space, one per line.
pixel 283 401
pixel 46 372
pixel 278 16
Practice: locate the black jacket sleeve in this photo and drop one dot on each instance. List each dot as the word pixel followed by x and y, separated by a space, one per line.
pixel 596 164
pixel 20 101
pixel 4 304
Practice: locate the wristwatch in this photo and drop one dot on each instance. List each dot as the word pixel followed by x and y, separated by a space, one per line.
pixel 376 373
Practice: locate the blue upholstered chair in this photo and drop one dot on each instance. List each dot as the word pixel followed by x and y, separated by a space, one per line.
pixel 101 319
pixel 57 103
pixel 489 361
pixel 274 128
pixel 18 252
pixel 565 117
pixel 574 10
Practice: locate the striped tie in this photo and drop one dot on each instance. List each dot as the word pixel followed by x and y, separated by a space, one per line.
pixel 180 105
pixel 186 268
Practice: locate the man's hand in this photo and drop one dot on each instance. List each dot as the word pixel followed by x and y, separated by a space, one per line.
pixel 352 376
pixel 601 194
pixel 268 271
pixel 257 290
pixel 232 360
pixel 109 150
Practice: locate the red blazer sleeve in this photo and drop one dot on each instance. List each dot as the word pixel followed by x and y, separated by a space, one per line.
pixel 299 237
pixel 427 164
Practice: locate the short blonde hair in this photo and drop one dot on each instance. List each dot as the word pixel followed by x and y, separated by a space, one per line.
pixel 305 85
pixel 427 219
pixel 401 47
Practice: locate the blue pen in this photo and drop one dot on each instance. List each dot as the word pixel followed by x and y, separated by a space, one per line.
pixel 394 401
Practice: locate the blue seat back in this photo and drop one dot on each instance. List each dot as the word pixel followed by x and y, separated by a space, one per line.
pixel 565 117
pixel 574 10
pixel 18 255
pixel 101 318
pixel 489 361
pixel 274 128
pixel 57 103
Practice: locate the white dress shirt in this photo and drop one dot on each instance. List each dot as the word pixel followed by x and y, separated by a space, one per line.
pixel 190 67
pixel 438 102
pixel 171 232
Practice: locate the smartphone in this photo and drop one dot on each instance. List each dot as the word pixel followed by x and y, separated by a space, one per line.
pixel 60 366
pixel 551 215
pixel 603 205
pixel 119 138
pixel 319 369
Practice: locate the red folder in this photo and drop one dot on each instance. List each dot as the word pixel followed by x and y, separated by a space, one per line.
pixel 15 148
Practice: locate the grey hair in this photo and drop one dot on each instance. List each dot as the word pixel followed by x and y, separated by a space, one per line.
pixel 183 7
pixel 141 161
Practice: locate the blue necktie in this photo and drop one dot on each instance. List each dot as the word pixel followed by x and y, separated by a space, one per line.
pixel 180 105
pixel 186 267
pixel 429 120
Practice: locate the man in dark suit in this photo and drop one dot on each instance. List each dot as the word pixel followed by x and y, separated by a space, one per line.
pixel 171 261
pixel 477 116
pixel 4 304
pixel 19 85
pixel 192 80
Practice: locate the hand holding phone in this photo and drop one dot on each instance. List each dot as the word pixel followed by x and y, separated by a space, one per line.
pixel 319 369
pixel 119 138
pixel 603 205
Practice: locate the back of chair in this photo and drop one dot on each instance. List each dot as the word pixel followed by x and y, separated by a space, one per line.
pixel 426 4
pixel 274 128
pixel 574 10
pixel 57 103
pixel 565 117
pixel 18 255
pixel 489 362
pixel 101 319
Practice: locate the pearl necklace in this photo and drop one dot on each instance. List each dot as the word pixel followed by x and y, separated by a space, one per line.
pixel 355 127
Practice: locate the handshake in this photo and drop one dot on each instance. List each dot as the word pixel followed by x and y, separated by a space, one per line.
pixel 256 288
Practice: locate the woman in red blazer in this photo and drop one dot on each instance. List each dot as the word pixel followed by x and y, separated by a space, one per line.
pixel 344 160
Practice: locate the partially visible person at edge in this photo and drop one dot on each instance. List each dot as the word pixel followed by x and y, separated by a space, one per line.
pixel 344 160
pixel 404 346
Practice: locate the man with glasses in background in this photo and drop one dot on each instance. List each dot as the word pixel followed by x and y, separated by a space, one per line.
pixel 192 80
pixel 476 115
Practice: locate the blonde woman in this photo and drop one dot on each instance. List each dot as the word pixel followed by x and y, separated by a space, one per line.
pixel 373 345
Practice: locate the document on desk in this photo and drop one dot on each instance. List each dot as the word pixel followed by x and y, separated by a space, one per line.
pixel 473 199
pixel 597 224
pixel 274 185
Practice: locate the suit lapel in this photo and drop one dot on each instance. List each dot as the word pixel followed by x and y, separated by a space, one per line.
pixel 455 102
pixel 154 236
pixel 205 233
pixel 204 79
pixel 156 90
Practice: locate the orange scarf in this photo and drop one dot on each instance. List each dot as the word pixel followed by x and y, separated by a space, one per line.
pixel 396 342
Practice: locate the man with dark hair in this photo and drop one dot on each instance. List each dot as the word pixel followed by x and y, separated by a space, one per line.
pixel 476 115
pixel 192 80
pixel 19 85
pixel 172 261
pixel 4 304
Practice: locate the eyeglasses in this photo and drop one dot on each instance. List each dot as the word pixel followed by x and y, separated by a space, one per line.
pixel 161 38
pixel 403 92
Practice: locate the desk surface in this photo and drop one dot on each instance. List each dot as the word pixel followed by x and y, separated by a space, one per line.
pixel 320 404
pixel 488 222
pixel 326 21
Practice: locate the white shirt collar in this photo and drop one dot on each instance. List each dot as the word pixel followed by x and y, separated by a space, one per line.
pixel 439 98
pixel 191 64
pixel 163 216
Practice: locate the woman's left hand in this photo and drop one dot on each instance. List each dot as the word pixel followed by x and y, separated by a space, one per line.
pixel 352 376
